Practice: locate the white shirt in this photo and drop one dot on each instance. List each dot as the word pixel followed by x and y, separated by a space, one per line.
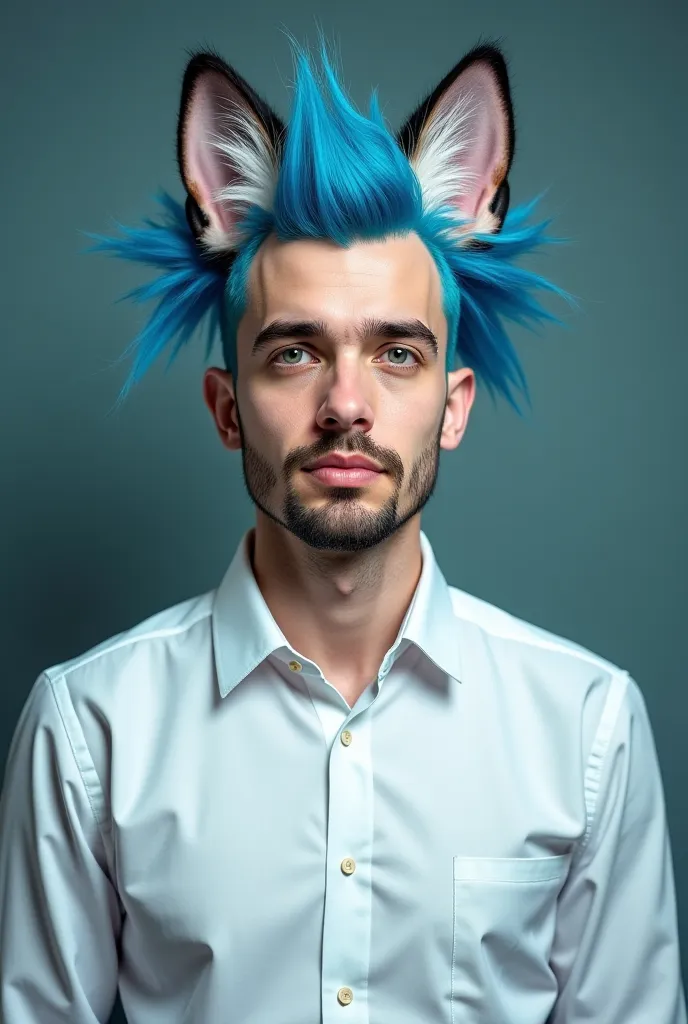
pixel 192 811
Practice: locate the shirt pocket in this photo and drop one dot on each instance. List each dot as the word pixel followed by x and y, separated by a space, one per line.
pixel 504 920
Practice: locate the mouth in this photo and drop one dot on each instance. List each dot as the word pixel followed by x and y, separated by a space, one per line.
pixel 339 476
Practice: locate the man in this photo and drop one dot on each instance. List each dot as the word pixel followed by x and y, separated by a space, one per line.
pixel 336 788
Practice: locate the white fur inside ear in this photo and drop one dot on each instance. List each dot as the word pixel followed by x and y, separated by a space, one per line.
pixel 463 149
pixel 247 148
pixel 439 157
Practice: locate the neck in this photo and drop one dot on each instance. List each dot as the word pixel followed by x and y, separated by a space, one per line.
pixel 341 610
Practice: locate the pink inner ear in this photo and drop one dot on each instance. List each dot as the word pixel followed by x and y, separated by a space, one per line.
pixel 206 168
pixel 485 130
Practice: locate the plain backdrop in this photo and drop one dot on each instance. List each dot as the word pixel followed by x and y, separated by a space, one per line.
pixel 573 517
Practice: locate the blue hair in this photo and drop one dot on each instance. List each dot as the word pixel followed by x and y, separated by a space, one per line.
pixel 342 177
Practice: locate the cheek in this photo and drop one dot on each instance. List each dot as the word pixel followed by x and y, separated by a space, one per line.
pixel 406 419
pixel 411 420
pixel 270 420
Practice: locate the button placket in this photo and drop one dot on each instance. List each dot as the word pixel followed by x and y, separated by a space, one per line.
pixel 346 930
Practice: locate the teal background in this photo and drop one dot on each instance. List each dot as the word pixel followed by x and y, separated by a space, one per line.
pixel 573 518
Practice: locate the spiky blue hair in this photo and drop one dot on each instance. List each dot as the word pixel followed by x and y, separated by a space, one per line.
pixel 343 177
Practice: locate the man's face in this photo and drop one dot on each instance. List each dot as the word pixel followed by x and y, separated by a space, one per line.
pixel 330 388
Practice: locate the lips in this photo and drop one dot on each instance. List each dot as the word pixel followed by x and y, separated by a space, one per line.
pixel 343 462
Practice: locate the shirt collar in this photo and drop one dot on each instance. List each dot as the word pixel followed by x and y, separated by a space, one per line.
pixel 245 632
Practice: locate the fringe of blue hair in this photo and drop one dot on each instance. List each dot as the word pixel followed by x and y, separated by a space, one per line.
pixel 369 190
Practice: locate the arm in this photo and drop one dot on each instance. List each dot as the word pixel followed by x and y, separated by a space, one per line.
pixel 616 948
pixel 59 915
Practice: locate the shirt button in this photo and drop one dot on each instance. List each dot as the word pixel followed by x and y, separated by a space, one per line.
pixel 345 995
pixel 348 865
pixel 346 738
pixel 295 666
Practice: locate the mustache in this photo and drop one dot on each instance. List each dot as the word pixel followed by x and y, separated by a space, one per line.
pixel 360 444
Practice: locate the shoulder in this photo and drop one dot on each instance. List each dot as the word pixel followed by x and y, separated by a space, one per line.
pixel 122 664
pixel 501 629
pixel 552 686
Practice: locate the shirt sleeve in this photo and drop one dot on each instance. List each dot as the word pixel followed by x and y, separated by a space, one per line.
pixel 59 913
pixel 616 948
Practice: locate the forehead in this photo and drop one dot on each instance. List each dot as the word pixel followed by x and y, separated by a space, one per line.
pixel 395 275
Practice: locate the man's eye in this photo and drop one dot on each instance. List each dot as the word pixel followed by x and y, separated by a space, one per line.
pixel 400 352
pixel 398 357
pixel 289 352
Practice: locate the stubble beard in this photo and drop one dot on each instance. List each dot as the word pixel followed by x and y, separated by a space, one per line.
pixel 343 523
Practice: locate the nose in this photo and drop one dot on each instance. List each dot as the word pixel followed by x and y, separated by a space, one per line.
pixel 346 403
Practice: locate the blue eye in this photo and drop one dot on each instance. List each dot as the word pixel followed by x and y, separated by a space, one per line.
pixel 296 350
pixel 404 351
pixel 285 351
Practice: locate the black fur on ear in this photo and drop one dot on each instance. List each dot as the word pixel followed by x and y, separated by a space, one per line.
pixel 408 136
pixel 207 65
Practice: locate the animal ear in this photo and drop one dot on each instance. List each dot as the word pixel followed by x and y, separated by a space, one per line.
pixel 460 141
pixel 228 149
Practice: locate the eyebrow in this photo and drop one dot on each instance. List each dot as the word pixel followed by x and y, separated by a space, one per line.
pixel 371 327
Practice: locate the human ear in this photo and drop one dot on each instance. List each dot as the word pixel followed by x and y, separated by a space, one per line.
pixel 219 395
pixel 460 396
